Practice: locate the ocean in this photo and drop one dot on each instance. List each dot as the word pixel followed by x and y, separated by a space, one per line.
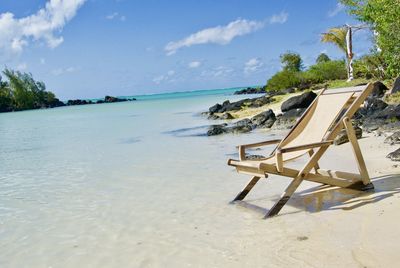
pixel 120 184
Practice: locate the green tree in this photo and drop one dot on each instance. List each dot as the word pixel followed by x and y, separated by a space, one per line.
pixel 5 97
pixel 322 58
pixel 22 92
pixel 336 36
pixel 383 16
pixel 291 62
pixel 283 79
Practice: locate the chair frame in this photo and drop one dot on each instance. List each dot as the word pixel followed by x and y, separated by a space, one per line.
pixel 359 181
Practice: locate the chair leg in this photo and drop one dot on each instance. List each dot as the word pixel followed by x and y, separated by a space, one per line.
pixel 246 189
pixel 316 166
pixel 284 198
pixel 357 151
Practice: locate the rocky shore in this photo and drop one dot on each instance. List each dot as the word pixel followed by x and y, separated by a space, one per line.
pixel 107 99
pixel 377 116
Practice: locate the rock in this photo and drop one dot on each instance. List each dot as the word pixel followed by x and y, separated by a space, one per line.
pixel 301 101
pixel 396 86
pixel 393 139
pixel 379 89
pixel 250 90
pixel 234 106
pixel 78 102
pixel 288 90
pixel 241 126
pixel 265 119
pixel 55 103
pixel 213 117
pixel 342 136
pixel 226 116
pixel 216 129
pixel 390 112
pixel 109 99
pixel 240 129
pixel 374 104
pixel 258 102
pixel 244 122
pixel 395 155
pixel 288 119
pixel 215 108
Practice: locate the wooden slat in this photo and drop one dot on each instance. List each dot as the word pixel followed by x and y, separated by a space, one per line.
pixel 305 146
pixel 356 150
pixel 247 189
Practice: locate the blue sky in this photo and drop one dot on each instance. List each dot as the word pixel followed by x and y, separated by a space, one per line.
pixel 90 48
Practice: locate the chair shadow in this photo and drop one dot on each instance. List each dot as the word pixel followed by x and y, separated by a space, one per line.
pixel 327 197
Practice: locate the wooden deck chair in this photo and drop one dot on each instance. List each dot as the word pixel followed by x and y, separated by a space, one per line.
pixel 313 133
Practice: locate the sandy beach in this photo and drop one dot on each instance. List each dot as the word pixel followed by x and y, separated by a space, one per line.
pixel 99 200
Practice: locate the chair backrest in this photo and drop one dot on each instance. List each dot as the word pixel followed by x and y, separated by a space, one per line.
pixel 329 108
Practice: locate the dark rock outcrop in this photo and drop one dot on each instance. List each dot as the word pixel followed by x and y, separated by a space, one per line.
pixel 79 102
pixel 215 108
pixel 379 90
pixel 226 116
pixel 301 101
pixel 396 86
pixel 216 129
pixel 343 138
pixel 264 120
pixel 395 155
pixel 250 90
pixel 258 102
pixel 228 106
pixel 108 99
pixel 390 112
pixel 55 103
pixel 393 139
pixel 288 119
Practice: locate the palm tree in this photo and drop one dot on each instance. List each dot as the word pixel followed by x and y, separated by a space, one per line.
pixel 341 37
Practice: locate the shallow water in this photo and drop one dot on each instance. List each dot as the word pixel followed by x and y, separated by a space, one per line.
pixel 86 183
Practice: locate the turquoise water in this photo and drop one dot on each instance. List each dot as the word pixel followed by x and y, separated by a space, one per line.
pixel 124 181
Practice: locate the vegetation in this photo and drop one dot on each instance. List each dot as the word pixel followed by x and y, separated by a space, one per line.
pixel 22 92
pixel 383 16
pixel 382 63
pixel 291 62
pixel 324 70
pixel 322 58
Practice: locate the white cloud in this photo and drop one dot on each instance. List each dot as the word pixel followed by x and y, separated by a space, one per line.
pixel 253 65
pixel 112 16
pixel 22 66
pixel 16 33
pixel 220 71
pixel 339 7
pixel 116 15
pixel 61 71
pixel 168 77
pixel 194 64
pixel 221 35
pixel 279 18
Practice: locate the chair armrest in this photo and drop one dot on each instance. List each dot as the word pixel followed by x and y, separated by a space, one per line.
pixel 242 152
pixel 305 146
pixel 259 144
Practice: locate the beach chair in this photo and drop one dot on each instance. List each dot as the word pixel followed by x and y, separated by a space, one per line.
pixel 313 133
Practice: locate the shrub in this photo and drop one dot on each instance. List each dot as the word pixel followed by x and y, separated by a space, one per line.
pixel 283 80
pixel 323 71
